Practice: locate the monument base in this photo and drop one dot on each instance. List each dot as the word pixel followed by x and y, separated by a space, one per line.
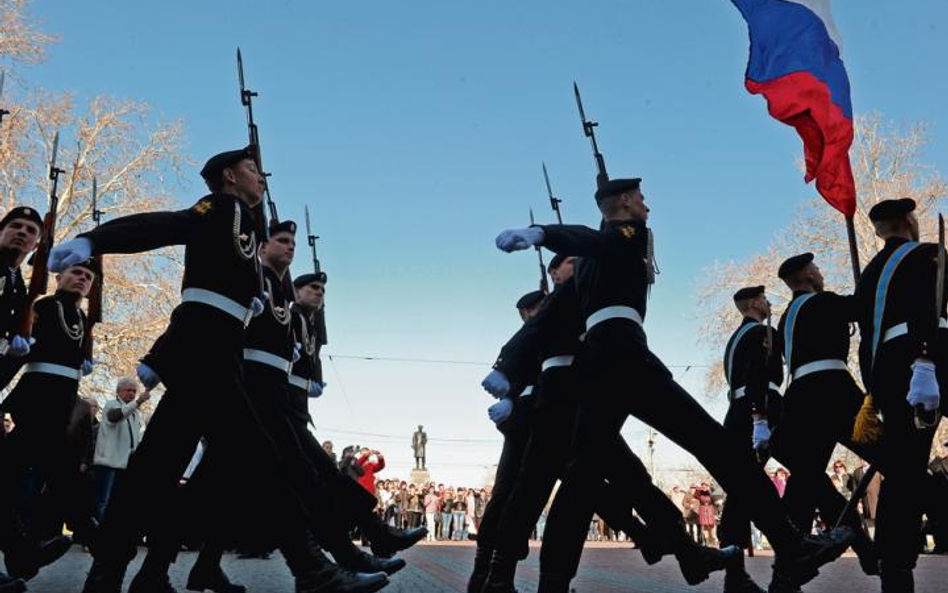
pixel 420 476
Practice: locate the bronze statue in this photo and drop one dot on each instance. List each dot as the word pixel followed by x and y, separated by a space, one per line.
pixel 418 442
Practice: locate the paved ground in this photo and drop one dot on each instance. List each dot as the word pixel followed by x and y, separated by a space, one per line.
pixel 444 569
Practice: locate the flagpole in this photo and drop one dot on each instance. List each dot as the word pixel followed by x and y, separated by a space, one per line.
pixel 853 248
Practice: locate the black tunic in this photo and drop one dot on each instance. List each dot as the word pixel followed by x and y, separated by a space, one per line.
pixel 750 365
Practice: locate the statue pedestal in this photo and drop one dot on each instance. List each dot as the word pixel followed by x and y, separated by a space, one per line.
pixel 420 476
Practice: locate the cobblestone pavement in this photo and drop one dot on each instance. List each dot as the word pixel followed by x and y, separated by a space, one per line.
pixel 444 569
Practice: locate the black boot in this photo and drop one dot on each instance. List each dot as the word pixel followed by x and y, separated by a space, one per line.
pixel 866 552
pixel 782 582
pixel 385 540
pixel 481 570
pixel 360 561
pixel 501 574
pixel 211 578
pixel 897 581
pixel 151 582
pixel 104 578
pixel 553 582
pixel 736 580
pixel 814 551
pixel 25 558
pixel 315 573
pixel 11 585
pixel 698 562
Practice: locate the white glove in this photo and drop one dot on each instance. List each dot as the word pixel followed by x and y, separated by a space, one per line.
pixel 86 368
pixel 761 436
pixel 296 351
pixel 69 253
pixel 923 388
pixel 496 384
pixel 316 388
pixel 519 239
pixel 256 305
pixel 500 411
pixel 20 346
pixel 148 376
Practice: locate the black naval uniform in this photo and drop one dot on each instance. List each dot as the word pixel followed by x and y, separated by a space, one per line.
pixel 199 360
pixel 820 407
pixel 351 505
pixel 42 404
pixel 624 378
pixel 12 301
pixel 516 431
pixel 754 379
pixel 907 331
pixel 551 337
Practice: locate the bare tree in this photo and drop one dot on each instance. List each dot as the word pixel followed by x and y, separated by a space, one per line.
pixel 135 161
pixel 887 164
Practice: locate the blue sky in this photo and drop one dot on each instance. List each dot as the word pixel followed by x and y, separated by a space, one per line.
pixel 415 131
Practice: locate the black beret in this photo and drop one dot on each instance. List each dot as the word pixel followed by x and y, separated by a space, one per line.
pixel 891 209
pixel 217 163
pixel 556 262
pixel 530 300
pixel 286 226
pixel 615 187
pixel 304 279
pixel 90 264
pixel 794 264
pixel 24 212
pixel 749 292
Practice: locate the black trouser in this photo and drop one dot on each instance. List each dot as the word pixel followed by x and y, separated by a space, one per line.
pixel 626 378
pixel 544 458
pixel 819 412
pixel 903 458
pixel 351 505
pixel 735 527
pixel 44 462
pixel 205 396
pixel 516 431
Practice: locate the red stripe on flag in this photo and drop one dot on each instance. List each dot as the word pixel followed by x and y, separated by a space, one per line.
pixel 804 102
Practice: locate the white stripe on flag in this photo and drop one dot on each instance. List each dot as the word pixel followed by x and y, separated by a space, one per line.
pixel 823 10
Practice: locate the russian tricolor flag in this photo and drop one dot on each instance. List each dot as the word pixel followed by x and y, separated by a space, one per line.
pixel 796 64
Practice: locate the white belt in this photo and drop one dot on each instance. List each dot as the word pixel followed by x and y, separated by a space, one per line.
pixel 897 331
pixel 218 301
pixel 819 365
pixel 528 390
pixel 268 359
pixel 614 312
pixel 297 381
pixel 739 392
pixel 557 361
pixel 49 368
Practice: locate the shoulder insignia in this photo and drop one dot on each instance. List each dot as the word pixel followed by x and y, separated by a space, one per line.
pixel 627 231
pixel 202 207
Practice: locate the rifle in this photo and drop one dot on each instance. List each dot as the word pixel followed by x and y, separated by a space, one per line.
pixel 923 418
pixel 311 239
pixel 589 129
pixel 263 229
pixel 544 283
pixel 94 315
pixel 3 76
pixel 39 280
pixel 554 202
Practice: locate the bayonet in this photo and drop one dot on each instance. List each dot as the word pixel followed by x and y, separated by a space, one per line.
pixel 589 129
pixel 554 201
pixel 3 76
pixel 311 239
